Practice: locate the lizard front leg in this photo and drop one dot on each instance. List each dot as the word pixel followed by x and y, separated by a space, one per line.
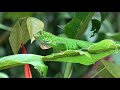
pixel 60 46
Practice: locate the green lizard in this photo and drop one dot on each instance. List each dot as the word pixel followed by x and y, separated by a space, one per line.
pixel 47 40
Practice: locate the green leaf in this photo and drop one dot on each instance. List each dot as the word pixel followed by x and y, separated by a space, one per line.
pixel 103 15
pixel 77 26
pixel 72 56
pixel 3 75
pixel 107 27
pixel 15 38
pixel 17 15
pixel 34 25
pixel 88 56
pixel 111 70
pixel 103 46
pixel 23 30
pixel 116 58
pixel 96 24
pixel 21 59
pixel 81 57
pixel 18 35
pixel 71 14
pixel 115 36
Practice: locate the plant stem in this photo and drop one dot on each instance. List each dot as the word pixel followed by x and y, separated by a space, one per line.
pixel 5 27
pixel 26 66
pixel 27 71
pixel 68 70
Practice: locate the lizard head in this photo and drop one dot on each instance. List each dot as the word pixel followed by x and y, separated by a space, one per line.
pixel 43 39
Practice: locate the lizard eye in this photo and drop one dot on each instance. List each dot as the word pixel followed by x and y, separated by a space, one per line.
pixel 46 40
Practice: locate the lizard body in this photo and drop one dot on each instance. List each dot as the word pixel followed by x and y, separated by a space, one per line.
pixel 47 40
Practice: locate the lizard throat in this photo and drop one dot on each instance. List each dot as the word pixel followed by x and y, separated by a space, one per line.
pixel 44 45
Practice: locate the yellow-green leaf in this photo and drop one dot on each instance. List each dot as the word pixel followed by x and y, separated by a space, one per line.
pixel 34 25
pixel 109 70
pixel 15 38
pixel 77 26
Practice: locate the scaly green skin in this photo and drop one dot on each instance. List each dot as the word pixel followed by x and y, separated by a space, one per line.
pixel 60 43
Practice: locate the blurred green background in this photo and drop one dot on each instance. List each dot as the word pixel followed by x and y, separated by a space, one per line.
pixel 52 20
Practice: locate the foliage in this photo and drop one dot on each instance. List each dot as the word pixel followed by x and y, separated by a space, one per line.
pixel 76 25
pixel 20 59
pixel 108 70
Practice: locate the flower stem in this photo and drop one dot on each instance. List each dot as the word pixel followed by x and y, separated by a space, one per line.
pixel 26 66
pixel 68 70
pixel 27 71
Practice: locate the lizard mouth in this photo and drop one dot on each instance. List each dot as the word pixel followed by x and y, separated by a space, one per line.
pixel 44 45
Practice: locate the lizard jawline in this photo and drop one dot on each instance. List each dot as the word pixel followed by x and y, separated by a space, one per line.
pixel 44 45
